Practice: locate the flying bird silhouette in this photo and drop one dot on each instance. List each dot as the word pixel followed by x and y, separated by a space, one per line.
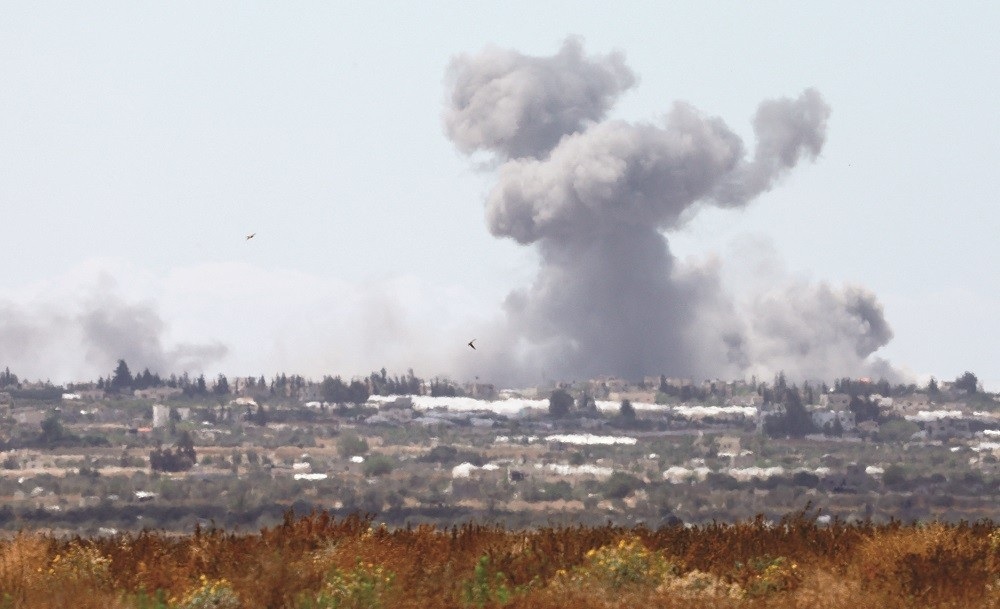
pixel 472 341
pixel 250 236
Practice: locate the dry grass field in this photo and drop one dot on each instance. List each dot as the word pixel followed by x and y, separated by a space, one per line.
pixel 317 561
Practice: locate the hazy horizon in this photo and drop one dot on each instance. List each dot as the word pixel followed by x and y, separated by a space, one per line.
pixel 586 195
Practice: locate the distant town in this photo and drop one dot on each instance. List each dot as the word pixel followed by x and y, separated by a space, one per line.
pixel 135 450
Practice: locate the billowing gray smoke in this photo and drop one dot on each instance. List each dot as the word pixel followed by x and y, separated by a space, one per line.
pixel 595 196
pixel 518 106
pixel 66 343
pixel 114 329
pixel 818 332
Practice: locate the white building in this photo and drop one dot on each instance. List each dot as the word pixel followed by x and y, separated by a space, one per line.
pixel 821 418
pixel 161 415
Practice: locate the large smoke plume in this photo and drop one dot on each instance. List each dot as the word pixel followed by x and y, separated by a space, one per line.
pixel 595 197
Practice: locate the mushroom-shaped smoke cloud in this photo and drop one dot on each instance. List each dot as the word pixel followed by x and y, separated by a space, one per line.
pixel 596 197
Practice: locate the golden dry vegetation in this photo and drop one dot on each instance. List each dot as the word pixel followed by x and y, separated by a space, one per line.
pixel 317 561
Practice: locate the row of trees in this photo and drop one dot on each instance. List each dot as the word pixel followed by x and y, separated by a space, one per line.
pixel 794 420
pixel 860 390
pixel 443 388
pixel 562 405
pixel 383 384
pixel 380 383
pixel 967 382
pixel 332 389
pixel 52 434
pixel 335 390
pixel 181 458
pixel 122 380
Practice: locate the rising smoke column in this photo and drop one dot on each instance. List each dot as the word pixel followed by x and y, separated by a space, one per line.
pixel 595 196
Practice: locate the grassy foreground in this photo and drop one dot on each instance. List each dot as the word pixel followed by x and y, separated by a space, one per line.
pixel 317 561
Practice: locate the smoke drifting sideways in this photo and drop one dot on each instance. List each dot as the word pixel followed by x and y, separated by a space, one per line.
pixel 84 340
pixel 596 198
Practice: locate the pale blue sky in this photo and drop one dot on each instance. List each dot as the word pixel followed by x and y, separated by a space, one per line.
pixel 141 141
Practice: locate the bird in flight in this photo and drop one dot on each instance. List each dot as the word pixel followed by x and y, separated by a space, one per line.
pixel 472 341
pixel 250 236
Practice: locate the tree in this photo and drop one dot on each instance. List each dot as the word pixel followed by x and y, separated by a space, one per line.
pixel 807 479
pixel 52 431
pixel 932 386
pixel 332 389
pixel 863 409
pixel 686 393
pixel 440 454
pixel 621 485
pixel 357 393
pixel 807 393
pixel 586 404
pixel 627 410
pixel 7 379
pixel 560 403
pixel 968 382
pixel 235 459
pixel 894 476
pixel 897 430
pixel 795 421
pixel 185 446
pixel 200 386
pixel 260 417
pixel 146 379
pixel 221 385
pixel 350 445
pixel 166 460
pixel 122 378
pixel 181 458
pixel 838 428
pixel 798 420
pixel 378 465
pixel 780 384
pixel 441 387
